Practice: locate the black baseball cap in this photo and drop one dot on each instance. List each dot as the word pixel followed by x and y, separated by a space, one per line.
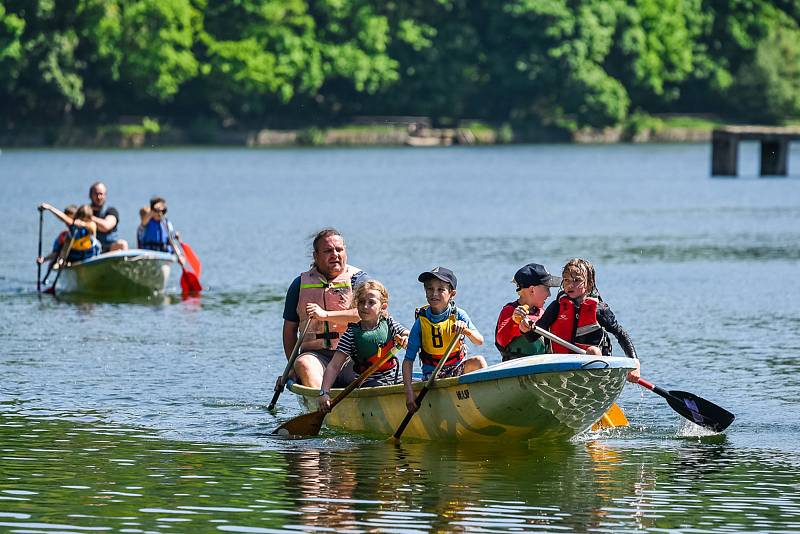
pixel 535 274
pixel 442 273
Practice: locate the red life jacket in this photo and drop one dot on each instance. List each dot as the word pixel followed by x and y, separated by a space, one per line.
pixel 574 324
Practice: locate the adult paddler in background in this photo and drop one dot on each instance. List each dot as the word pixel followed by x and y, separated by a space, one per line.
pixel 319 303
pixel 106 218
pixel 512 336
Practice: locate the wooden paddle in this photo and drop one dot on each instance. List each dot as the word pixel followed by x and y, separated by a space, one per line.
pixel 429 383
pixel 190 283
pixel 614 416
pixel 38 264
pixel 309 424
pixel 696 409
pixel 281 385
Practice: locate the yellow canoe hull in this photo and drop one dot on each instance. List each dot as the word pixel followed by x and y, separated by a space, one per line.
pixel 538 397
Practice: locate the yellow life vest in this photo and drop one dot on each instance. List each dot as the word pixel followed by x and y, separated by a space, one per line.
pixel 435 337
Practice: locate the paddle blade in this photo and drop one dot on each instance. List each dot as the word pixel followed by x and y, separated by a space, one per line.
pixel 192 258
pixel 303 425
pixel 190 283
pixel 614 417
pixel 700 411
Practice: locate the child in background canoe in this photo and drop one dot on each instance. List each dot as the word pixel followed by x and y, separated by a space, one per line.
pixel 595 320
pixel 144 218
pixel 61 239
pixel 433 330
pixel 516 318
pixel 367 341
pixel 82 228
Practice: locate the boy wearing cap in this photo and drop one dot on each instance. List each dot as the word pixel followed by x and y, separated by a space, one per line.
pixel 516 318
pixel 434 328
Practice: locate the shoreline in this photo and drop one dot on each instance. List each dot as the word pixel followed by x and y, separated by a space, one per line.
pixel 147 133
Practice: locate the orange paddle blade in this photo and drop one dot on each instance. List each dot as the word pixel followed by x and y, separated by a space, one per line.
pixel 612 418
pixel 192 258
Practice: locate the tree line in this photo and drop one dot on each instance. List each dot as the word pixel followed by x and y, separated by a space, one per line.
pixel 560 63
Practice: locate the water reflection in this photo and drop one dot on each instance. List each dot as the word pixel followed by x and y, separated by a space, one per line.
pixel 74 472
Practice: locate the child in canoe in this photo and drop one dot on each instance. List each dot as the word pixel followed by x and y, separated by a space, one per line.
pixel 533 287
pixel 434 328
pixel 83 232
pixel 62 238
pixel 580 316
pixel 367 341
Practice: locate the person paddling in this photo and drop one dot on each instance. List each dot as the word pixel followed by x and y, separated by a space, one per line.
pixel 516 318
pixel 321 296
pixel 156 229
pixel 82 229
pixel 433 330
pixel 580 316
pixel 367 341
pixel 61 240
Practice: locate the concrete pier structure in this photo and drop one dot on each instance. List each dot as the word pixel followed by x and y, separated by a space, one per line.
pixel 774 148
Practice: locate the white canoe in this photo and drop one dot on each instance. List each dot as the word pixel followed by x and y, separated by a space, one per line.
pixel 549 397
pixel 122 273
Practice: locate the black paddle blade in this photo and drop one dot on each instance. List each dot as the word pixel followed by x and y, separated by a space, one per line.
pixel 700 411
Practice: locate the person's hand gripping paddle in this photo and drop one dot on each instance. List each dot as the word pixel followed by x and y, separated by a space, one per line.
pixel 696 409
pixel 309 424
pixel 424 391
pixel 614 416
pixel 280 385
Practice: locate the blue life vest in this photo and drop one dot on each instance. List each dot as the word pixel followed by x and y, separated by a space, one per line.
pixel 156 236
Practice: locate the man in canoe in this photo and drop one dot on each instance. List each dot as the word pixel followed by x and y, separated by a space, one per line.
pixel 319 303
pixel 106 218
pixel 516 318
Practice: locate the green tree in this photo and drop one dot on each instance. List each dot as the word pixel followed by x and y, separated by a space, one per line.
pixel 144 43
pixel 768 86
pixel 657 48
pixel 11 59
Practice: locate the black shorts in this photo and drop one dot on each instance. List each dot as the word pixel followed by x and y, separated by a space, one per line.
pixel 346 375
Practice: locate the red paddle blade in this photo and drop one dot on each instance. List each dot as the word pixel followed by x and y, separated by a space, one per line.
pixel 50 290
pixel 192 258
pixel 190 283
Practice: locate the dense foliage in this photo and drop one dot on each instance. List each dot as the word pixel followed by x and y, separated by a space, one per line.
pixel 565 63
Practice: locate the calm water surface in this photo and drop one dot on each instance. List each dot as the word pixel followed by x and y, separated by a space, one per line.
pixel 150 416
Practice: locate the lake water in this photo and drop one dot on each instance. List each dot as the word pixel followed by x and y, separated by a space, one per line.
pixel 151 417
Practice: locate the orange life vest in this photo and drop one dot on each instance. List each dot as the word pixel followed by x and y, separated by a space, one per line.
pixel 331 295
